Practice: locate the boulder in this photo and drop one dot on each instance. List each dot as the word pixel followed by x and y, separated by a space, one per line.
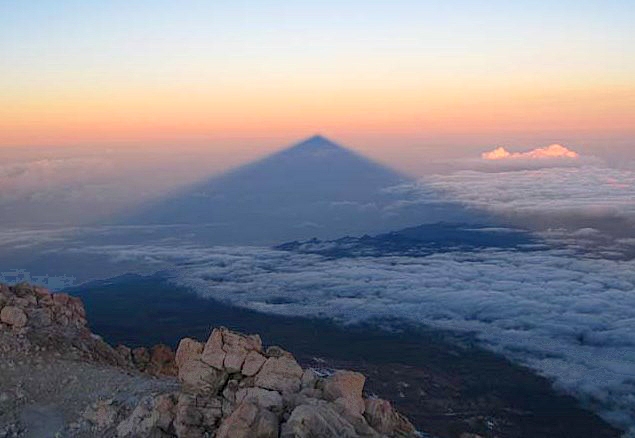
pixel 188 349
pixel 13 316
pixel 382 417
pixel 61 299
pixel 317 420
pixel 253 363
pixel 196 415
pixel 162 361
pixel 153 416
pixel 228 350
pixel 39 317
pixel 280 374
pixel 141 358
pixel 264 398
pixel 309 379
pixel 103 414
pixel 345 388
pixel 213 353
pixel 124 352
pixel 249 421
pixel 198 377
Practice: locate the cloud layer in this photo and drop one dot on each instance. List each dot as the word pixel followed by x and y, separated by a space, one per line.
pixel 569 318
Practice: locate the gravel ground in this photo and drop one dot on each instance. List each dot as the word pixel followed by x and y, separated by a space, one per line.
pixel 42 395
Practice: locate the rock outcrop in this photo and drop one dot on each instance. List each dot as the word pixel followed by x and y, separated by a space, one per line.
pixel 228 387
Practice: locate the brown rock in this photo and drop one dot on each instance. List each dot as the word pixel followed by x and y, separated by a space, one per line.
pixel 247 342
pixel 249 421
pixel 196 415
pixel 384 419
pixel 39 317
pixel 281 374
pixel 153 416
pixel 318 420
pixel 346 388
pixel 188 349
pixel 264 398
pixel 162 361
pixel 275 351
pixel 229 393
pixel 41 292
pixel 13 316
pixel 309 379
pixel 61 299
pixel 199 377
pixel 103 414
pixel 234 358
pixel 141 358
pixel 213 353
pixel 253 362
pixel 124 352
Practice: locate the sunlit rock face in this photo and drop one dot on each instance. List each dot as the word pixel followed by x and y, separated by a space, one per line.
pixel 552 151
pixel 313 189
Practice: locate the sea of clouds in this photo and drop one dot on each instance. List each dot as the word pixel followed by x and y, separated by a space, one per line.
pixel 566 309
pixel 568 317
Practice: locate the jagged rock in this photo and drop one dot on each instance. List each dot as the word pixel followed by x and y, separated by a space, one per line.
pixel 228 350
pixel 249 421
pixel 153 417
pixel 264 398
pixel 213 353
pixel 196 415
pixel 141 357
pixel 309 378
pixel 275 351
pixel 345 388
pixel 197 376
pixel 317 420
pixel 188 349
pixel 13 316
pixel 280 373
pixel 162 361
pixel 61 298
pixel 124 352
pixel 384 419
pixel 38 317
pixel 103 414
pixel 253 363
pixel 229 387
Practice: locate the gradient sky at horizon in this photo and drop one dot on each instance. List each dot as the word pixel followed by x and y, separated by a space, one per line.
pixel 373 74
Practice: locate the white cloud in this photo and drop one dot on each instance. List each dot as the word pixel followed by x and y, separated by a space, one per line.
pixel 594 190
pixel 554 151
pixel 544 199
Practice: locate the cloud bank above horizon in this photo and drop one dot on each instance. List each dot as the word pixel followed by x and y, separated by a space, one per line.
pixel 554 151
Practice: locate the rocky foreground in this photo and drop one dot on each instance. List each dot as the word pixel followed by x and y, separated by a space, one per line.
pixel 59 379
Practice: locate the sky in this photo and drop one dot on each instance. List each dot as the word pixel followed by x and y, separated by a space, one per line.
pixel 397 80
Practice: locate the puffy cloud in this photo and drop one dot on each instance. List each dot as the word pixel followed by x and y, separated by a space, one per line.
pixel 554 151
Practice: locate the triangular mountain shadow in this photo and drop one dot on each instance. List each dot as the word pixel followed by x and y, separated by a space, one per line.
pixel 315 188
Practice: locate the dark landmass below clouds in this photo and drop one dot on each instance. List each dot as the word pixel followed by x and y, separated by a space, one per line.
pixel 444 382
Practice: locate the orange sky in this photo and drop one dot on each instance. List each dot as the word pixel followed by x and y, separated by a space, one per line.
pixel 201 74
